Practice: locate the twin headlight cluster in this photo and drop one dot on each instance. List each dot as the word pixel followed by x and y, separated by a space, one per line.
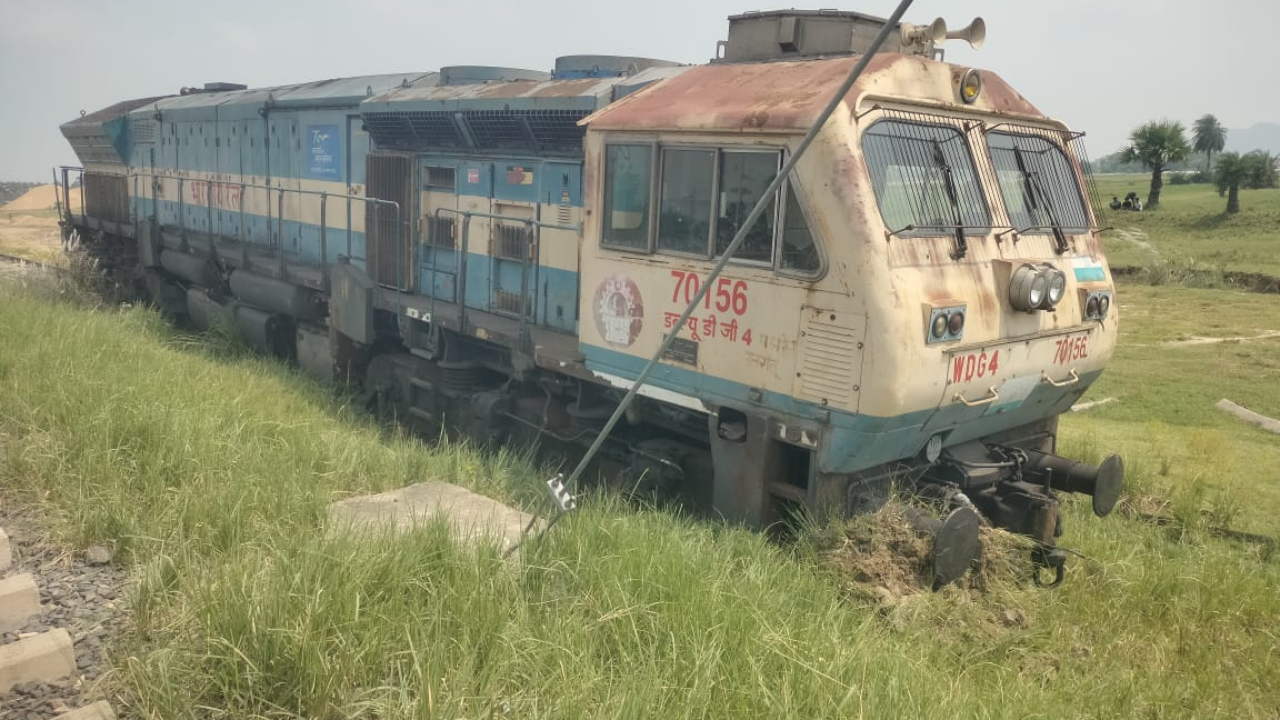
pixel 1037 287
pixel 1042 287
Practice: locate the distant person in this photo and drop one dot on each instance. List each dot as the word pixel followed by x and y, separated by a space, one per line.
pixel 1115 203
pixel 1137 204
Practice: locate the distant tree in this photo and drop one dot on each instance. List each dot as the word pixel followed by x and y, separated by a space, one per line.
pixel 1262 171
pixel 1230 173
pixel 1208 137
pixel 1155 145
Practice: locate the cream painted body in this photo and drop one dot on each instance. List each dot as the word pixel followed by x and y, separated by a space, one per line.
pixel 854 339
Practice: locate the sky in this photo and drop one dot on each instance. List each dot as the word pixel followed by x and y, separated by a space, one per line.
pixel 1102 66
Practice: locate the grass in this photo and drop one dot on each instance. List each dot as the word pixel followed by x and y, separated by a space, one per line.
pixel 1190 228
pixel 210 471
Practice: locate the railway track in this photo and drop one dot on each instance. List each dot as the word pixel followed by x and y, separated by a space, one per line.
pixel 24 262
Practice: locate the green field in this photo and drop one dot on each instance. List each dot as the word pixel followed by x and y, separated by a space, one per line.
pixel 209 472
pixel 1191 229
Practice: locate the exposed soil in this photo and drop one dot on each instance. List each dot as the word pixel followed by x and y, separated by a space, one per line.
pixel 884 558
pixel 43 197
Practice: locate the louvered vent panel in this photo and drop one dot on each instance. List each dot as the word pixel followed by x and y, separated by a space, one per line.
pixel 829 365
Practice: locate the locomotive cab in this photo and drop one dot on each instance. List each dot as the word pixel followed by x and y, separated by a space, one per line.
pixel 922 298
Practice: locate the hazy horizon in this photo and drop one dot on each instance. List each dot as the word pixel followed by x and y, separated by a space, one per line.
pixel 1086 63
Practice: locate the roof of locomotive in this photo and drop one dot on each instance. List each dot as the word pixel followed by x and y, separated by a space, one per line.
pixel 343 92
pixel 579 93
pixel 788 96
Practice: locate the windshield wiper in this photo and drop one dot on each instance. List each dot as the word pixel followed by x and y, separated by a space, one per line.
pixel 962 243
pixel 1038 196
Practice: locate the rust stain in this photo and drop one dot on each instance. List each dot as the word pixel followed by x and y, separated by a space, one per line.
pixel 504 89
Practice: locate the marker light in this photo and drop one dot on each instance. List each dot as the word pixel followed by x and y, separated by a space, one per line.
pixel 946 324
pixel 1096 304
pixel 1091 307
pixel 1057 287
pixel 970 86
pixel 939 328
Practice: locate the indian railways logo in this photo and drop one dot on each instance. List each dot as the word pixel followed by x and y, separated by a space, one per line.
pixel 619 310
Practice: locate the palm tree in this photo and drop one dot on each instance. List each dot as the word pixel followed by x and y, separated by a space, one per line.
pixel 1208 136
pixel 1262 170
pixel 1231 172
pixel 1155 145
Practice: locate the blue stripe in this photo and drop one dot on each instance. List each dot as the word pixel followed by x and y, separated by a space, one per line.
pixel 1086 274
pixel 849 441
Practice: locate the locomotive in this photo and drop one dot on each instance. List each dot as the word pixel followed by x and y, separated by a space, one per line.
pixel 924 296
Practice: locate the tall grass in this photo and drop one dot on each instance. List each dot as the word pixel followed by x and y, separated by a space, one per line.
pixel 210 471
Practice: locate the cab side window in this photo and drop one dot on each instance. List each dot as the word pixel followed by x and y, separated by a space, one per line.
pixel 704 196
pixel 799 252
pixel 684 215
pixel 744 176
pixel 628 184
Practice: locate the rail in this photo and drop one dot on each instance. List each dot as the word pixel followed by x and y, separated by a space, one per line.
pixel 213 191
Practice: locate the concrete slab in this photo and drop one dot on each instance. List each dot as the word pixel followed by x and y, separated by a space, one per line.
pixel 473 517
pixel 1262 421
pixel 1081 407
pixel 6 551
pixel 19 601
pixel 42 658
pixel 100 710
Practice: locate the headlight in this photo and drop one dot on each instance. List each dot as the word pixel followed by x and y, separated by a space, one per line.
pixel 955 324
pixel 1036 287
pixel 1057 287
pixel 1023 294
pixel 970 86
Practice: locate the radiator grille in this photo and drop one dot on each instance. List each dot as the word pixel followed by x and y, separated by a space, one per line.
pixel 390 177
pixel 512 242
pixel 533 130
pixel 830 360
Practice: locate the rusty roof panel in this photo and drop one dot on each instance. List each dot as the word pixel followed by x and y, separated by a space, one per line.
pixel 786 96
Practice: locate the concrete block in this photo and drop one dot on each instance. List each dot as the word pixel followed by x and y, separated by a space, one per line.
pixel 100 710
pixel 471 517
pixel 44 658
pixel 1262 421
pixel 19 601
pixel 6 552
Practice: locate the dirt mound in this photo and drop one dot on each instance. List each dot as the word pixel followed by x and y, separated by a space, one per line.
pixel 43 197
pixel 884 558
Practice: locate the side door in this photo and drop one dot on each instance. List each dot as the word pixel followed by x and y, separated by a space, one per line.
pixel 556 261
pixel 438 230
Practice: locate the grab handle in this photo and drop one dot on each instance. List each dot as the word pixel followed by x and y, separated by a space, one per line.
pixel 1072 380
pixel 992 396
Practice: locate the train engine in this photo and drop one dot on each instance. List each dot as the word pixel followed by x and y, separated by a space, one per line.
pixel 503 251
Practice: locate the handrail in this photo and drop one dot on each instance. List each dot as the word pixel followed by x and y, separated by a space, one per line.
pixel 278 244
pixel 524 262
